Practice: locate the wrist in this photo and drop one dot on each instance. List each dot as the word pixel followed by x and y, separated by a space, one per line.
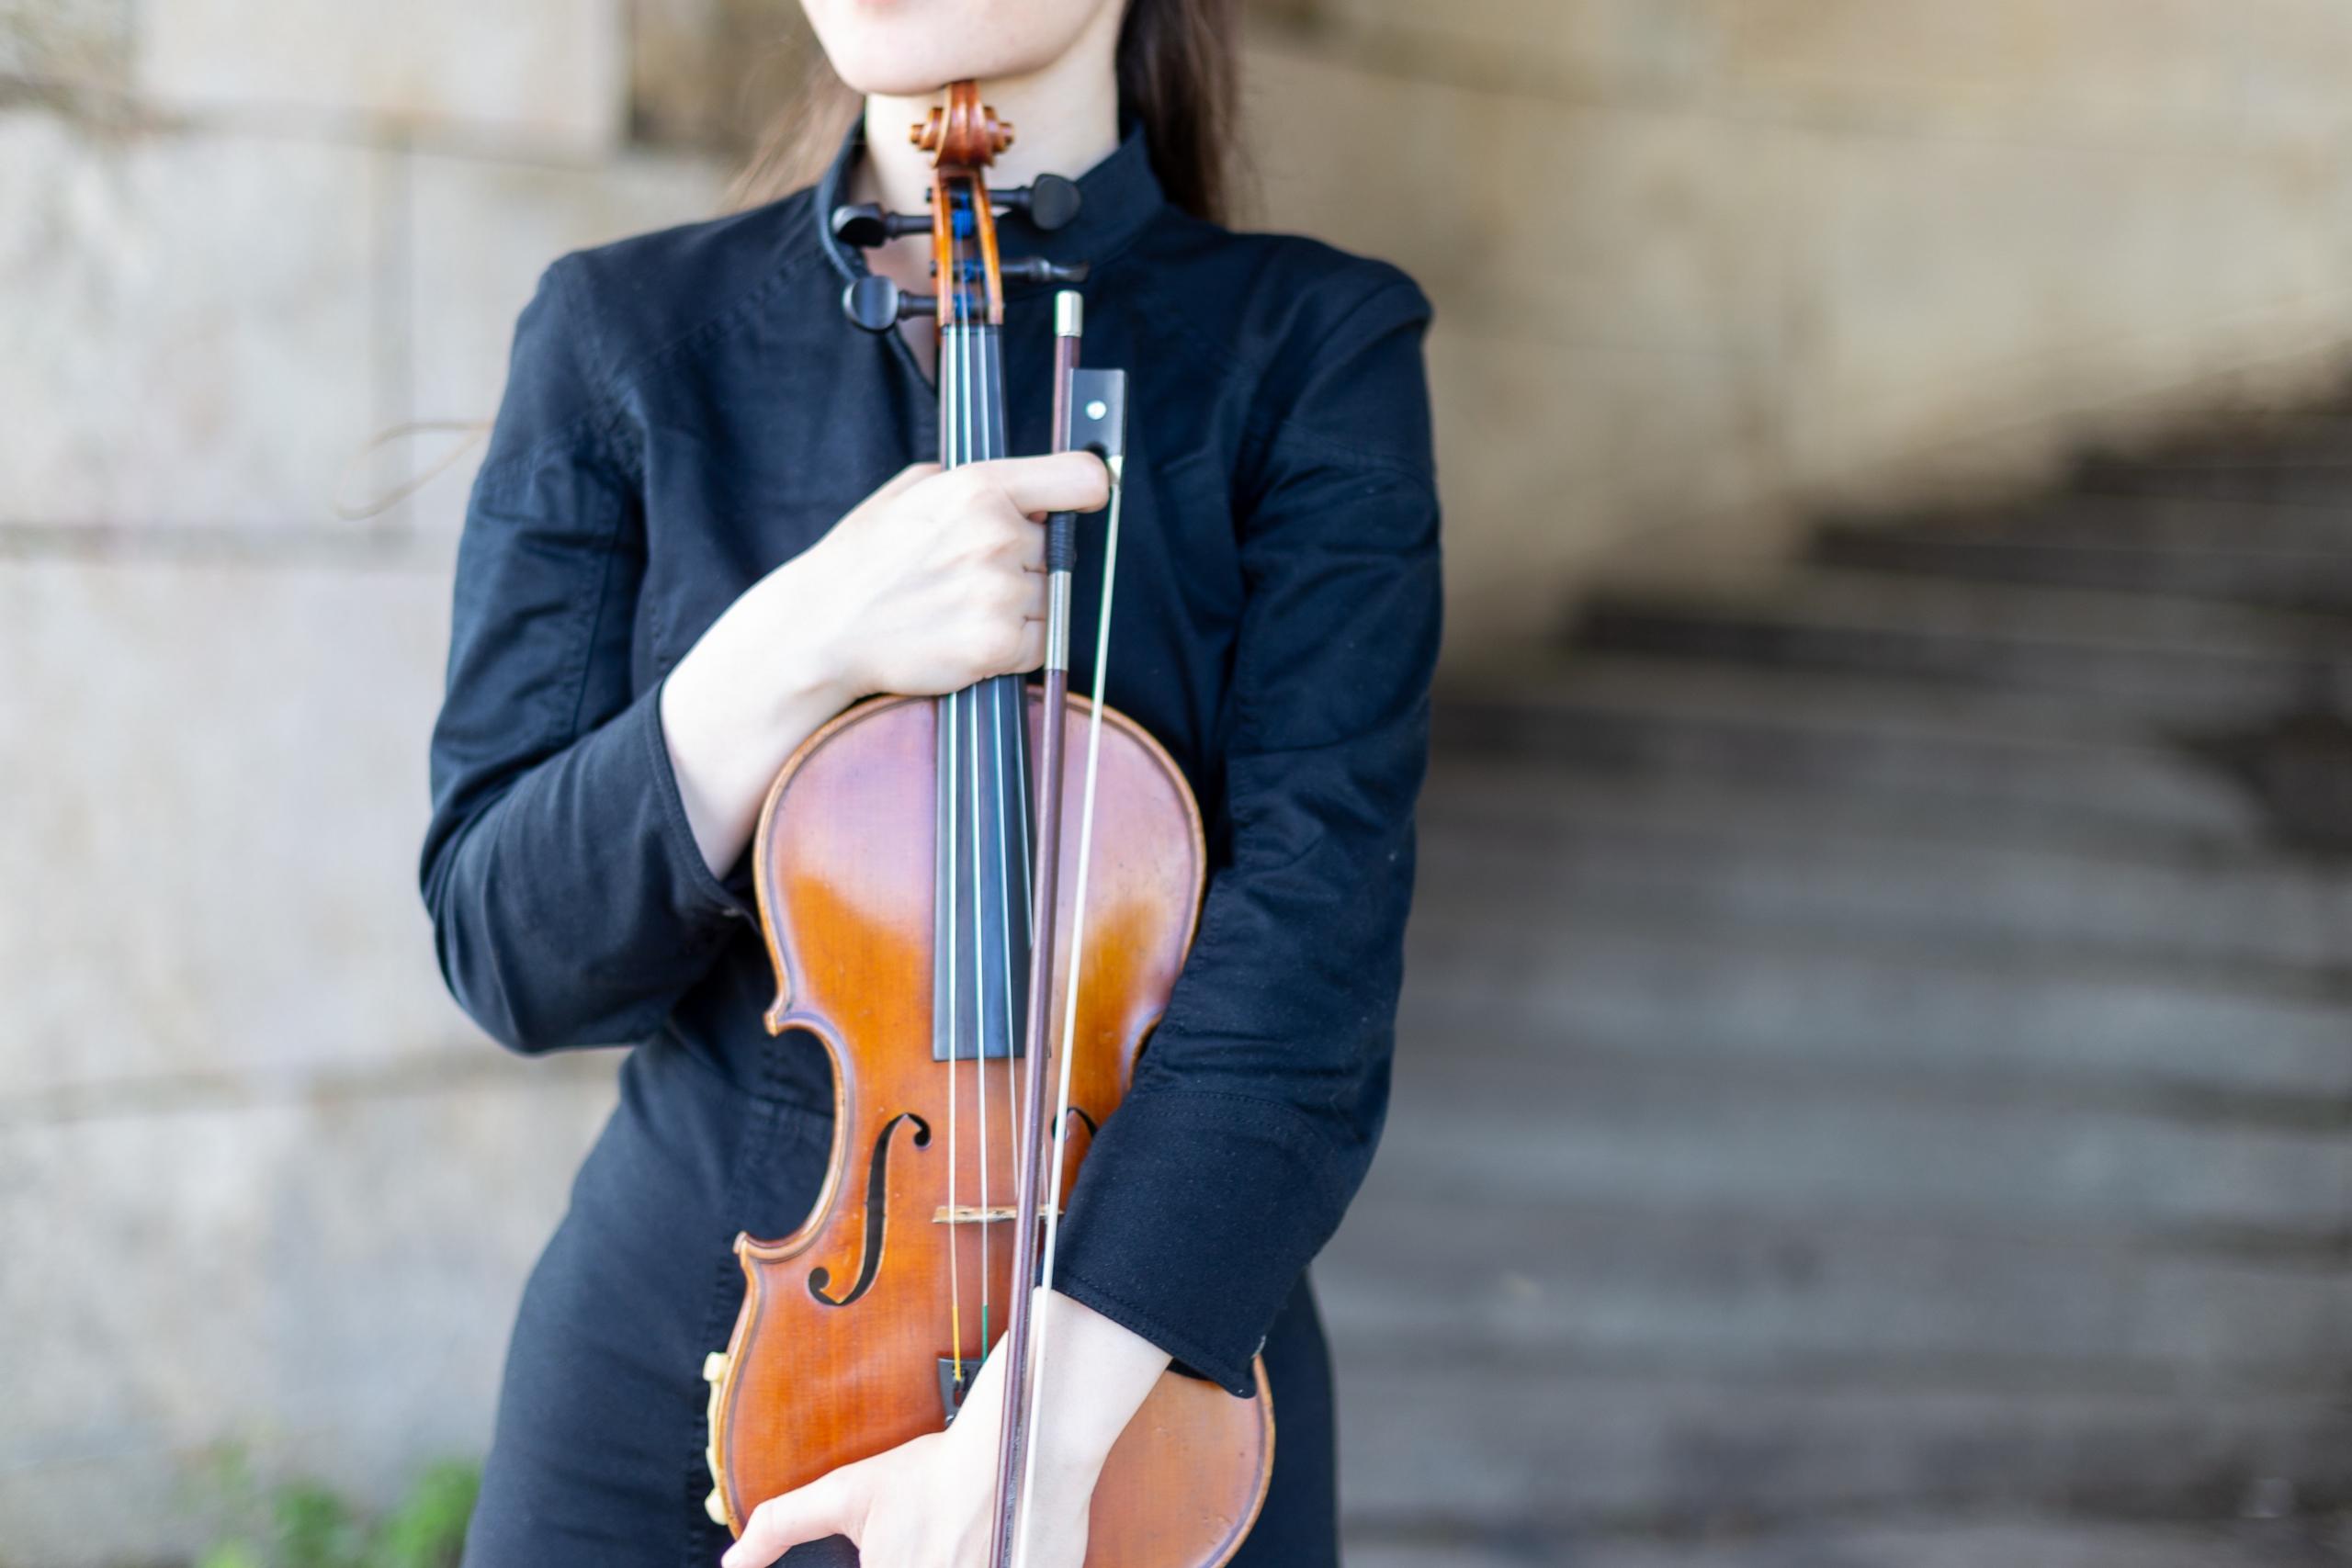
pixel 798 661
pixel 756 685
pixel 1098 1374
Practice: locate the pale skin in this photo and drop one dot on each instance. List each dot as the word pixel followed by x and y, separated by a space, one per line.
pixel 933 582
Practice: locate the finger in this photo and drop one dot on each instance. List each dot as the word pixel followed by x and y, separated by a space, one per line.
pixel 1033 648
pixel 828 1505
pixel 1032 546
pixel 1064 482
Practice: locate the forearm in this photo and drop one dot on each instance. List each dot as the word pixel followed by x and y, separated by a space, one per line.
pixel 571 906
pixel 1097 1375
pixel 759 681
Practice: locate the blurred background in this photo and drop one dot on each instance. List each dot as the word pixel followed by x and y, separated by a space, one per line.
pixel 1876 1075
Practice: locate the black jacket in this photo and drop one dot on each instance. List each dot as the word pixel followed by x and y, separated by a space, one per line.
pixel 689 409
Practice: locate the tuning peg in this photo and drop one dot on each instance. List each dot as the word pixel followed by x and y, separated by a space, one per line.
pixel 1049 201
pixel 877 304
pixel 1037 269
pixel 865 225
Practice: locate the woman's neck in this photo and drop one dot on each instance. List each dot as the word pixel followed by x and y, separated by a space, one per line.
pixel 1065 117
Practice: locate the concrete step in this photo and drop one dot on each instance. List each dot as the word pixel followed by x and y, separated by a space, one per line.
pixel 1769 864
pixel 2204 549
pixel 1989 756
pixel 2177 659
pixel 1739 1291
pixel 2158 1035
pixel 1479 1121
pixel 1964 1541
pixel 2154 795
pixel 2149 519
pixel 2304 458
pixel 1535 1450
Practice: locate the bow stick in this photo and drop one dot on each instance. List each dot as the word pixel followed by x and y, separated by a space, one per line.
pixel 1090 414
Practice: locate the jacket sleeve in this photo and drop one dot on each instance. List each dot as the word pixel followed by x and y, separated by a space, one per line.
pixel 569 904
pixel 1257 1104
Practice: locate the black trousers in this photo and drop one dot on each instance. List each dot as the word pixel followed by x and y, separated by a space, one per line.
pixel 598 1457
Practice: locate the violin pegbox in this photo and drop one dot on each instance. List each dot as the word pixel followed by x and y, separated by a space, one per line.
pixel 962 136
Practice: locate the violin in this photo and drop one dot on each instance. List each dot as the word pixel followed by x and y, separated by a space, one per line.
pixel 983 1012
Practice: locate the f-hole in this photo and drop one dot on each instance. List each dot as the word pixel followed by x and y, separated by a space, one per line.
pixel 878 1170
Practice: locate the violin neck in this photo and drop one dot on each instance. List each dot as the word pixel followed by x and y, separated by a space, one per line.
pixel 971 394
pixel 985 832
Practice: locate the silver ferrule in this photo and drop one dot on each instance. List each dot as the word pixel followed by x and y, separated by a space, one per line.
pixel 1069 313
pixel 1057 621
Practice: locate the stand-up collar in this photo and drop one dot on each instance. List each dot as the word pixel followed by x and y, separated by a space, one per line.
pixel 1118 197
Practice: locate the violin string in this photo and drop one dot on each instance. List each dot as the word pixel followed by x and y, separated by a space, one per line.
pixel 971 436
pixel 954 1047
pixel 951 395
pixel 985 379
pixel 979 1002
pixel 1019 810
pixel 982 443
pixel 1069 1000
pixel 1028 893
pixel 1004 948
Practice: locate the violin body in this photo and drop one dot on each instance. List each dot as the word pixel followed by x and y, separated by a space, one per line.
pixel 843 1348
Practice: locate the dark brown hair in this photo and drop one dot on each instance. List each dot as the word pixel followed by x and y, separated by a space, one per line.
pixel 1179 80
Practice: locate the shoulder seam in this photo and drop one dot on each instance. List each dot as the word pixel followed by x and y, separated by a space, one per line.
pixel 1264 431
pixel 613 383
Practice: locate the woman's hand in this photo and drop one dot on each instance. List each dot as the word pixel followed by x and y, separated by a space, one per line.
pixel 926 1504
pixel 930 1503
pixel 931 583
pixel 936 580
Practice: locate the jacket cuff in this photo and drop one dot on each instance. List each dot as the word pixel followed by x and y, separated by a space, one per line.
pixel 689 873
pixel 1193 1218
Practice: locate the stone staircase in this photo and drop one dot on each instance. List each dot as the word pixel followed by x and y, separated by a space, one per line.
pixel 1876 1076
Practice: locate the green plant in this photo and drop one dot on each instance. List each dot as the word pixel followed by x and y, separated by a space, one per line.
pixel 301 1524
pixel 428 1529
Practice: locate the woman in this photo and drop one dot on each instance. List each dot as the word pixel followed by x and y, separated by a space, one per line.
pixel 702 529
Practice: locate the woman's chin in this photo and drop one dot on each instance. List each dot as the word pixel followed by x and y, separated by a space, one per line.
pixel 909 48
pixel 920 72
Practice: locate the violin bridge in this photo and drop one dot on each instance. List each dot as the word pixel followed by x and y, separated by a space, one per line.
pixel 973 1214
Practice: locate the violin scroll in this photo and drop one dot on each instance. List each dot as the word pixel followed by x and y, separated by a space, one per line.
pixel 961 131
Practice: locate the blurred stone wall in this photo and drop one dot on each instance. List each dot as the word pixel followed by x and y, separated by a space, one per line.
pixel 260 1181
pixel 1698 263
pixel 1703 265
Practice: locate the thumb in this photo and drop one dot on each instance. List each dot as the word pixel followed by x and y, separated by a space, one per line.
pixel 830 1505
